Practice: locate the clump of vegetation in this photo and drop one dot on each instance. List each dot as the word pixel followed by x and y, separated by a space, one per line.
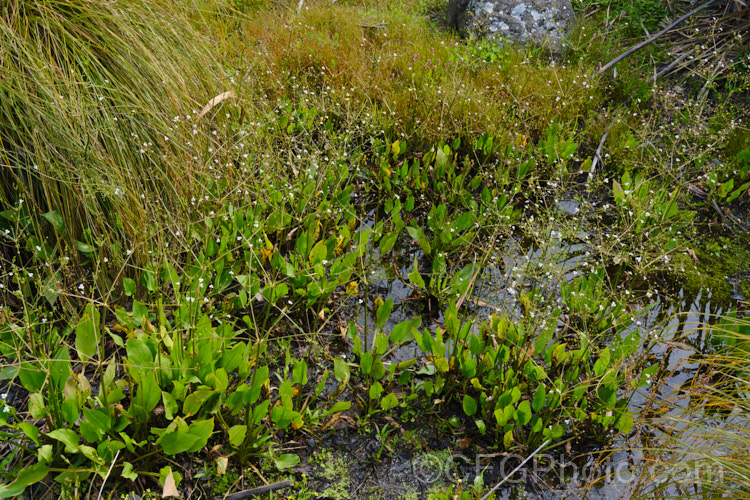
pixel 101 151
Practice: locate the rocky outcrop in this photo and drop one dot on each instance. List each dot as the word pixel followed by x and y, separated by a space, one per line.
pixel 541 21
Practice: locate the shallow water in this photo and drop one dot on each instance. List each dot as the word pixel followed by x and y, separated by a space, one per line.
pixel 676 328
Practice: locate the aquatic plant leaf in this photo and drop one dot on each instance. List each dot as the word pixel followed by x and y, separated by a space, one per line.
pixel 170 405
pixel 67 437
pixel 178 442
pixel 383 313
pixel 237 434
pixel 388 402
pixel 341 370
pixel 365 363
pixel 403 331
pixel 31 376
pixel 299 373
pixel 376 389
pixel 26 477
pixel 469 367
pixel 87 333
pixel 338 407
pixel 523 412
pixel 481 426
pixel 601 364
pixel 415 277
pixel 388 241
pixel 470 405
pixel 540 396
pixel 54 218
pixel 625 423
pixel 85 248
pixel 618 192
pixel 508 439
pixel 286 461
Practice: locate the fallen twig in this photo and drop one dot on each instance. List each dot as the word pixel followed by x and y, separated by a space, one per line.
pixel 738 222
pixel 381 25
pixel 723 217
pixel 669 67
pixel 652 38
pixel 545 443
pixel 261 490
pixel 600 149
pixel 109 471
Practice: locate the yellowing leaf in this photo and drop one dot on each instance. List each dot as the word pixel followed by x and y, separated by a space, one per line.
pixel 298 423
pixel 377 302
pixel 221 465
pixel 475 383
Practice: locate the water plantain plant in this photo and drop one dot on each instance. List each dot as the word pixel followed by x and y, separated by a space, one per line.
pixel 526 386
pixel 161 380
pixel 521 383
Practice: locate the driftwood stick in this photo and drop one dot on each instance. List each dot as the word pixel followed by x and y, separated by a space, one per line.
pixel 109 471
pixel 652 38
pixel 262 490
pixel 598 154
pixel 723 217
pixel 545 443
pixel 669 67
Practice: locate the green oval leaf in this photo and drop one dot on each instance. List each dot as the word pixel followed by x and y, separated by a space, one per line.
pixel 388 402
pixel 87 333
pixel 383 313
pixel 523 412
pixel 470 405
pixel 540 396
pixel 286 461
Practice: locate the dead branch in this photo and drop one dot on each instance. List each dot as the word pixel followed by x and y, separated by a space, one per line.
pixel 652 38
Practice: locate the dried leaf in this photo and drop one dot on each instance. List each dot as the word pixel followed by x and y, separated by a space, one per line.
pixel 344 422
pixel 170 488
pixel 215 101
pixel 464 443
pixel 692 255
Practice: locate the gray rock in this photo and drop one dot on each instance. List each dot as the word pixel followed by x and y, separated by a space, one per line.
pixel 542 21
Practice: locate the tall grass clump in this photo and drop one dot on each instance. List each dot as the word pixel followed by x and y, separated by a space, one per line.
pixel 700 445
pixel 94 144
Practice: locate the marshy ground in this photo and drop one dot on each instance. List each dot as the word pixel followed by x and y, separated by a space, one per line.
pixel 336 244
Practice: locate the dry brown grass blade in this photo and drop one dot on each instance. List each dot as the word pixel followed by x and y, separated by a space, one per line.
pixel 216 101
